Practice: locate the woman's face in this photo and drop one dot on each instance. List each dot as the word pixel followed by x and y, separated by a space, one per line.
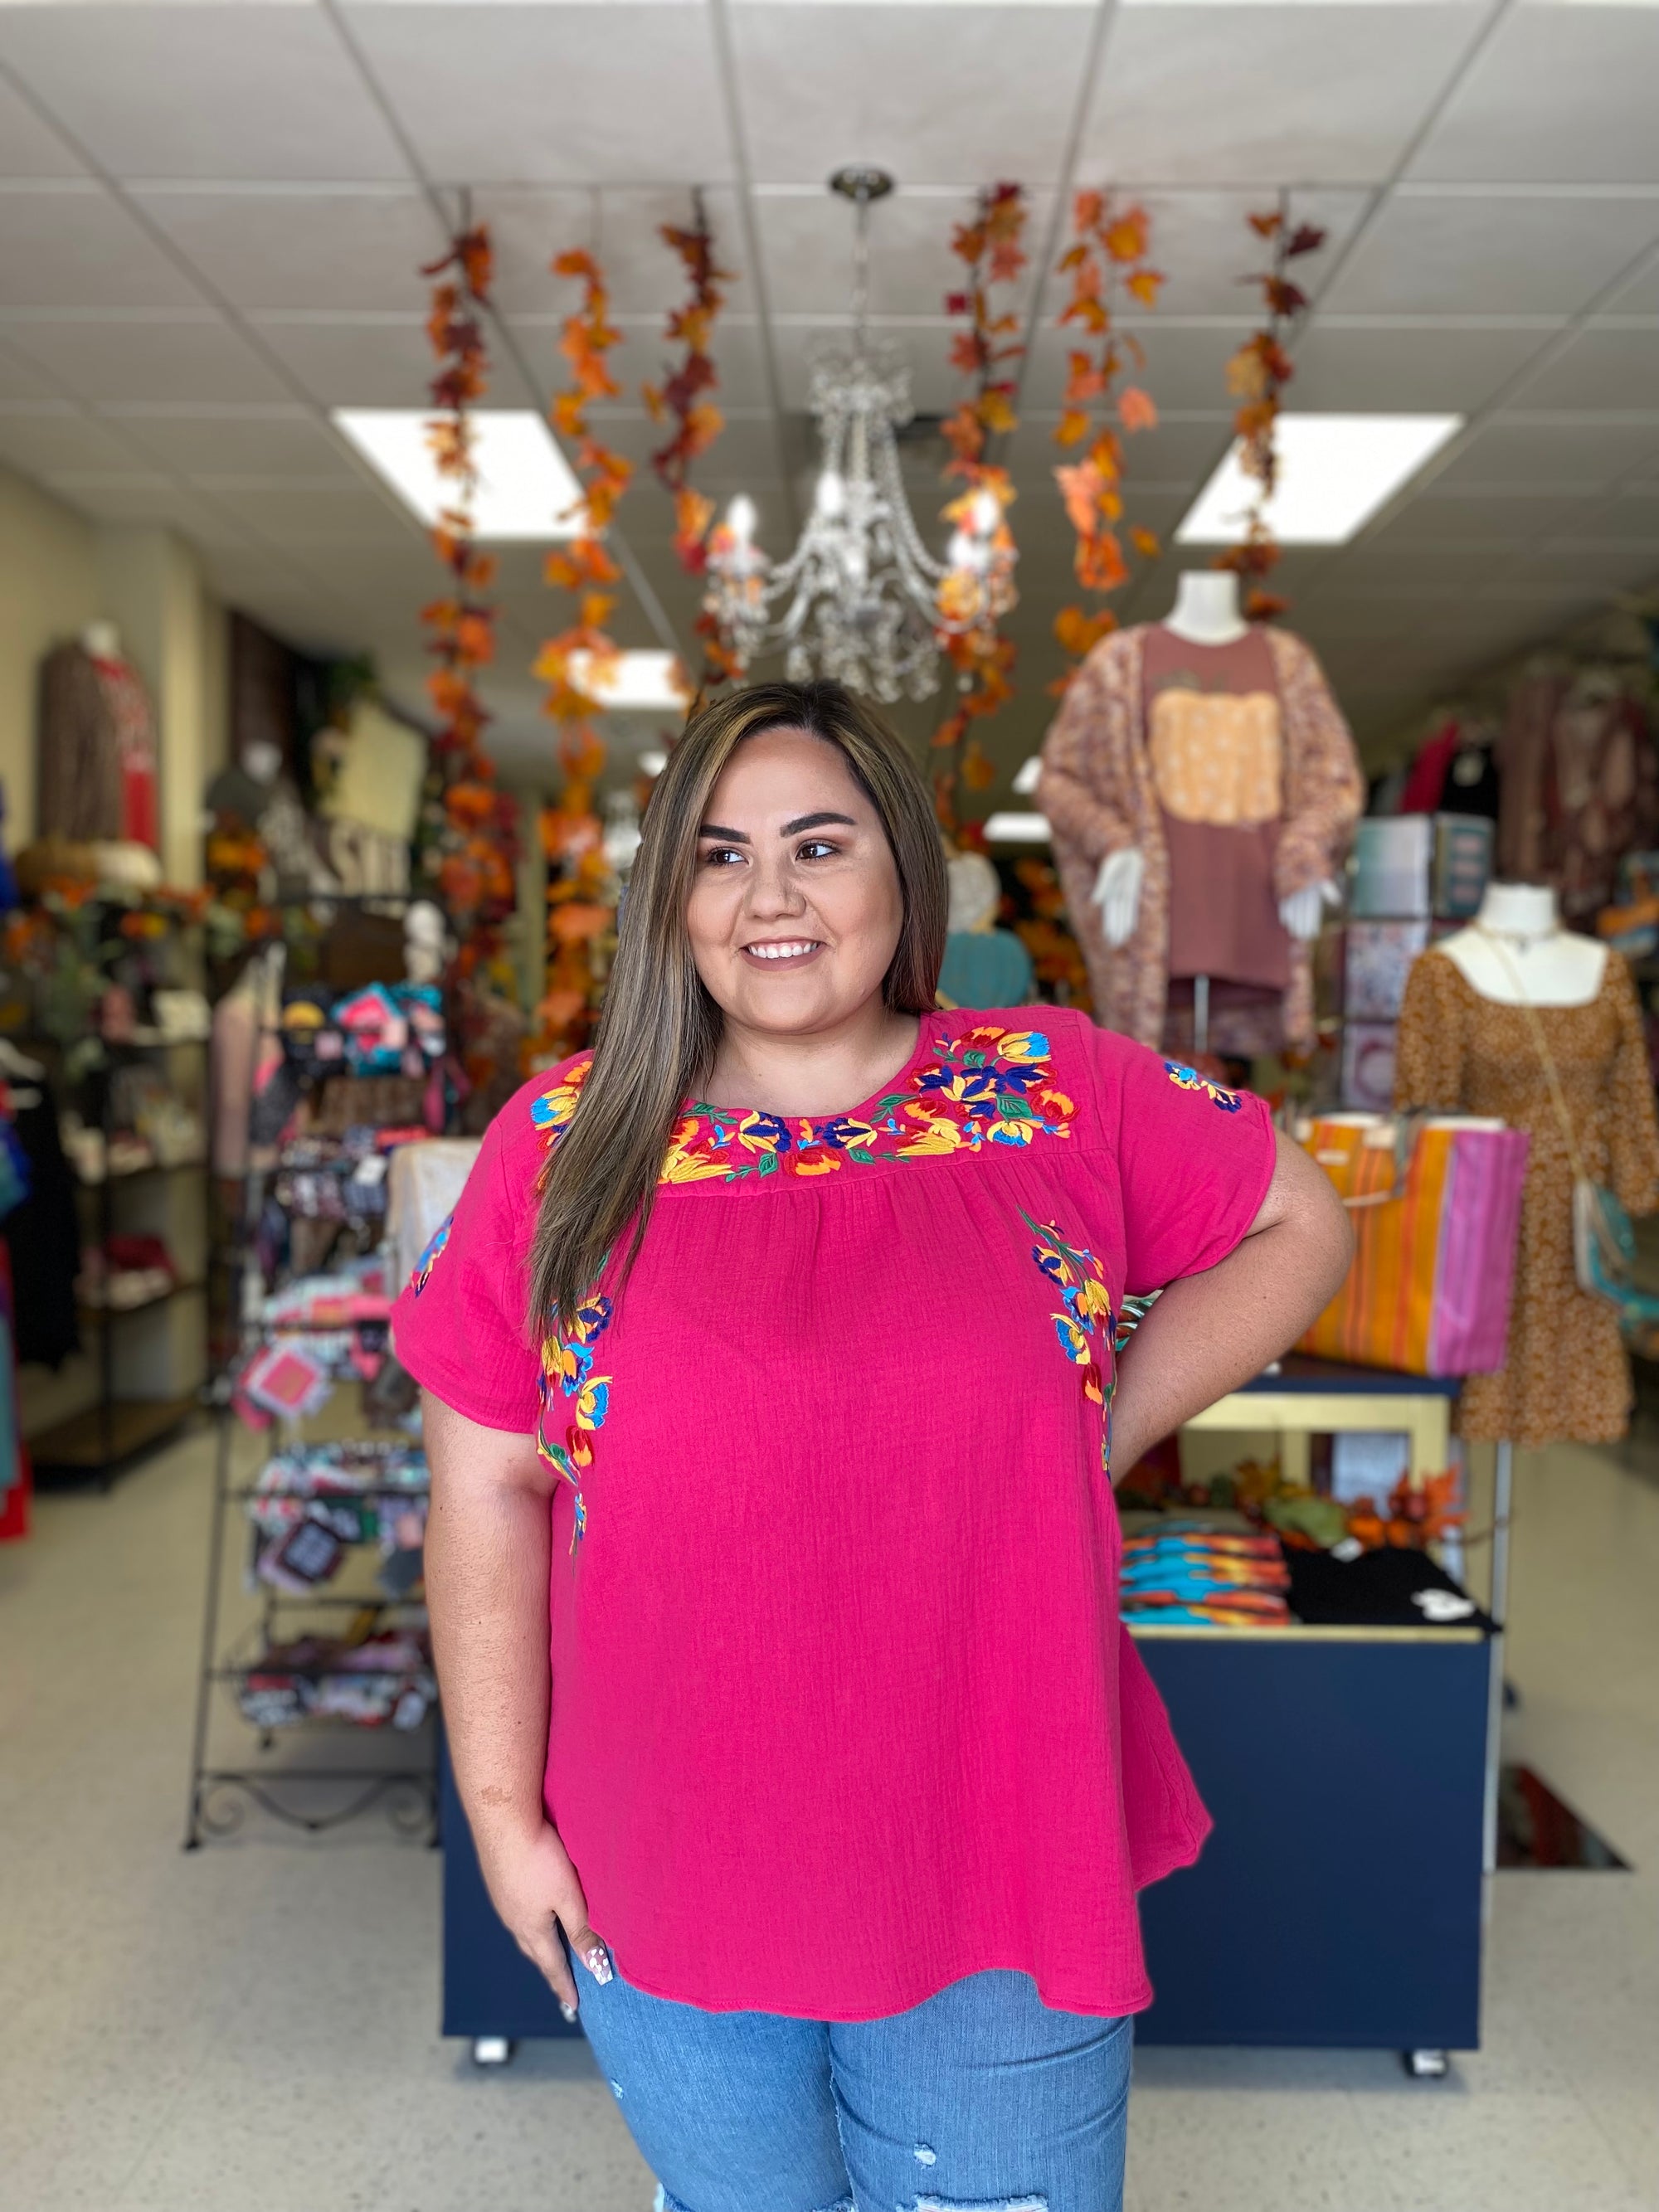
pixel 795 906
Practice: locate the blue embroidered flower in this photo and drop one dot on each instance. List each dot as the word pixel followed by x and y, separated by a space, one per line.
pixel 1188 1079
pixel 434 1245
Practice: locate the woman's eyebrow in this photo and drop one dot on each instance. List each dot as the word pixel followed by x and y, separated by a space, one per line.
pixel 814 822
pixel 715 829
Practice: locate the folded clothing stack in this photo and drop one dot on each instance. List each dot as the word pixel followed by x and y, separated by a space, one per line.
pixel 384 1682
pixel 1192 1577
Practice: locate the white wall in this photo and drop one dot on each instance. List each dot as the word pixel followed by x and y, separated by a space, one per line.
pixel 49 591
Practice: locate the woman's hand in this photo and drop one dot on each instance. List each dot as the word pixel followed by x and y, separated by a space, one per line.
pixel 534 1887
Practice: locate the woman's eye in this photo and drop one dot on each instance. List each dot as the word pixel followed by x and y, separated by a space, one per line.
pixel 815 848
pixel 718 856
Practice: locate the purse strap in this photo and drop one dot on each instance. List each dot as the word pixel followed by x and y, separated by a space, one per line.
pixel 1552 1074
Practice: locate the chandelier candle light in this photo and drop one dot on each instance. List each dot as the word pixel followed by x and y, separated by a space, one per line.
pixel 860 599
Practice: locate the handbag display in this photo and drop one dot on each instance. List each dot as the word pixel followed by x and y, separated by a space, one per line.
pixel 1436 1206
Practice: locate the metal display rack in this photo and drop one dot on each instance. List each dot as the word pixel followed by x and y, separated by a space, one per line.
pixel 312 1794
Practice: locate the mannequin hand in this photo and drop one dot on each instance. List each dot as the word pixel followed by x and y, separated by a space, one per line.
pixel 1117 894
pixel 535 1888
pixel 1300 911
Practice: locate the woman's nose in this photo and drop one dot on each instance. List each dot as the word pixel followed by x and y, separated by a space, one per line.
pixel 773 890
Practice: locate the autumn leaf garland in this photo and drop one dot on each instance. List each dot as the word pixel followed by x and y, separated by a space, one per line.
pixel 988 351
pixel 473 851
pixel 1256 377
pixel 1107 261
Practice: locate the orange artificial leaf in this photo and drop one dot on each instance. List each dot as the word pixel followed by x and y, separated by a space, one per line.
pixel 1145 542
pixel 1073 427
pixel 1265 226
pixel 978 771
pixel 1126 238
pixel 1136 409
pixel 1144 285
pixel 1100 564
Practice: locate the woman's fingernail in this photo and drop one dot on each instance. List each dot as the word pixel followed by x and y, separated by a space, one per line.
pixel 568 2010
pixel 598 1963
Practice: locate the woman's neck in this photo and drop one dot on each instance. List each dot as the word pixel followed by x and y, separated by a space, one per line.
pixel 804 1077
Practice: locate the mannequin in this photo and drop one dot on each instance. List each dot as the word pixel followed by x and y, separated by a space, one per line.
pixel 1519 1017
pixel 96 781
pixel 1516 944
pixel 1201 785
pixel 1205 612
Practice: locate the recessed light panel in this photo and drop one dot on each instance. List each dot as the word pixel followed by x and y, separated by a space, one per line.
pixel 1334 471
pixel 527 489
pixel 647 682
pixel 1016 829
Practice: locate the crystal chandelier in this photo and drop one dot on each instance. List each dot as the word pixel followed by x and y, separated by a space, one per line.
pixel 860 598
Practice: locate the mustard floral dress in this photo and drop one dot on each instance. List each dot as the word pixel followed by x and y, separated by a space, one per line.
pixel 1566 1374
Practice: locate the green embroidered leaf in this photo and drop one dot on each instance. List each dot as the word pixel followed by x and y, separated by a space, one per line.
pixel 975 1060
pixel 767 1163
pixel 1013 1108
pixel 893 1098
pixel 857 1152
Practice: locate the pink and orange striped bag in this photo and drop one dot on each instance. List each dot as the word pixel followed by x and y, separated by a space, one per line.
pixel 1436 1206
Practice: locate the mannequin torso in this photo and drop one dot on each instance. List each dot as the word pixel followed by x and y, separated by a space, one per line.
pixel 1516 952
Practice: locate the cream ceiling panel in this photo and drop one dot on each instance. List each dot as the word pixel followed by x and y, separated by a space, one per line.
pixel 28 147
pixel 643 353
pixel 178 363
pixel 1562 95
pixel 1591 454
pixel 72 245
pixel 246 91
pixel 1392 370
pixel 1268 94
pixel 343 363
pixel 1633 513
pixel 1515 253
pixel 360 250
pixel 24 383
pixel 1599 368
pixel 1458 515
pixel 807 239
pixel 1185 367
pixel 221 450
pixel 54 445
pixel 551 94
pixel 529 228
pixel 938 95
pixel 1602 565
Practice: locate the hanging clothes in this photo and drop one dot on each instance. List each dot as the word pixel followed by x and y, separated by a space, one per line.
pixel 1567 1374
pixel 1580 787
pixel 44 1236
pixel 97 776
pixel 1102 794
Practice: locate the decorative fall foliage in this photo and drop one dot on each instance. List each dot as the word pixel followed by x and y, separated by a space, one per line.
pixel 1256 376
pixel 470 856
pixel 987 351
pixel 1107 261
pixel 581 892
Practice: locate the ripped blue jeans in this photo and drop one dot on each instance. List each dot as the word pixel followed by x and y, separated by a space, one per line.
pixel 982 2100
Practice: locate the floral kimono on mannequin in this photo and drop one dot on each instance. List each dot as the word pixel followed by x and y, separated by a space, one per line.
pixel 1098 791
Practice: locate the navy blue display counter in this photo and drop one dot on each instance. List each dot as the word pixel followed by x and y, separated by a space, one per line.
pixel 1338 1902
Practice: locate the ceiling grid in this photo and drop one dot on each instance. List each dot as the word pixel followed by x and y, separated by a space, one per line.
pixel 212 220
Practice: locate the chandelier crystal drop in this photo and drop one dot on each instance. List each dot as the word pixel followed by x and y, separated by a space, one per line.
pixel 860 599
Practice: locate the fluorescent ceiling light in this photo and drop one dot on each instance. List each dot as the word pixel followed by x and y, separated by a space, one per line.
pixel 527 488
pixel 1025 782
pixel 1334 471
pixel 649 681
pixel 654 762
pixel 1016 829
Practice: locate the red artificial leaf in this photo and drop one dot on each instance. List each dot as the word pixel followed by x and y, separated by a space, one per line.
pixel 1306 238
pixel 1136 409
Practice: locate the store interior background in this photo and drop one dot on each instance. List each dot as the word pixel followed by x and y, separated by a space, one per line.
pixel 213 219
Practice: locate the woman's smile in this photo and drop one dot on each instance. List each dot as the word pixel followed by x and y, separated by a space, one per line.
pixel 785 951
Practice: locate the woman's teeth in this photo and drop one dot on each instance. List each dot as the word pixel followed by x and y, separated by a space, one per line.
pixel 791 950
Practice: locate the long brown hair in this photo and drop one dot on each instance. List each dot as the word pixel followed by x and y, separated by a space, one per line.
pixel 659 1028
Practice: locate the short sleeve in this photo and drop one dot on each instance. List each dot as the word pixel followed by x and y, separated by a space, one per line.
pixel 459 1327
pixel 1193 1160
pixel 1428 1051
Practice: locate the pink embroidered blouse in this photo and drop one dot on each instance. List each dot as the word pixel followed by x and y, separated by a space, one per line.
pixel 842 1709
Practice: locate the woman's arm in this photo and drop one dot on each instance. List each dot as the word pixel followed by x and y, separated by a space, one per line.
pixel 1211 1332
pixel 487 1546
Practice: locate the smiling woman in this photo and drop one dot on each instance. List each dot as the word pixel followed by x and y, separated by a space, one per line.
pixel 837 1791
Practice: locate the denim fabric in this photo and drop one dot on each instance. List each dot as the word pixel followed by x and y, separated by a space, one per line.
pixel 982 2100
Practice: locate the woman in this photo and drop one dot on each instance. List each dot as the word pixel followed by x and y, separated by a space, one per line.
pixel 835 1795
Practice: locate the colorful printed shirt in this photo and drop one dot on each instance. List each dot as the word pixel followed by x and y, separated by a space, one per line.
pixel 842 1709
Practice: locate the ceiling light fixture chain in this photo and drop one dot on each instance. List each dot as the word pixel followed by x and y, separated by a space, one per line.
pixel 860 598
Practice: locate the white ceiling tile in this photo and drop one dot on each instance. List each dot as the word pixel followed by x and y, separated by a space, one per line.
pixel 1641 296
pixel 1460 516
pixel 343 514
pixel 1406 371
pixel 74 245
pixel 214 447
pixel 1633 513
pixel 22 383
pixel 348 363
pixel 135 498
pixel 1262 94
pixel 62 443
pixel 1592 563
pixel 1599 369
pixel 1509 253
pixel 1588 455
pixel 28 147
pixel 807 241
pixel 554 95
pixel 1184 368
pixel 246 91
pixel 1177 452
pixel 937 96
pixel 1563 95
pixel 621 225
pixel 1201 242
pixel 202 361
pixel 304 249
pixel 1420 571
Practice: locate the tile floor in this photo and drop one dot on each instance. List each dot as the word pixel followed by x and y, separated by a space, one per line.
pixel 250 2028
